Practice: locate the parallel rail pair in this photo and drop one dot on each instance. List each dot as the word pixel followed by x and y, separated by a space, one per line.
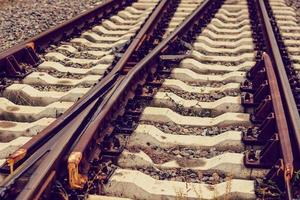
pixel 80 135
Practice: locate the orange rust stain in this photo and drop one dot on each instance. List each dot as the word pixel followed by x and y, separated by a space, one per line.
pixel 12 108
pixel 64 81
pixel 31 45
pixel 7 124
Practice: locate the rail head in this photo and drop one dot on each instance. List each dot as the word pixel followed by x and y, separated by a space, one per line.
pixel 280 115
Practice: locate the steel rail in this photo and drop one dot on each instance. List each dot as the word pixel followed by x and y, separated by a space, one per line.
pixel 282 124
pixel 57 149
pixel 129 83
pixel 24 152
pixel 19 53
pixel 273 51
pixel 145 32
pixel 25 53
pixel 67 134
pixel 77 180
pixel 31 146
pixel 52 146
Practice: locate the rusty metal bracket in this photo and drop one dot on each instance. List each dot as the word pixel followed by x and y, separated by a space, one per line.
pixel 264 158
pixel 18 65
pixel 247 99
pixel 146 92
pixel 264 132
pixel 253 96
pixel 262 111
pixel 76 180
pixel 280 172
pixel 261 92
pixel 134 107
pixel 112 146
pixel 15 157
pixel 247 86
pixel 154 80
pixel 254 70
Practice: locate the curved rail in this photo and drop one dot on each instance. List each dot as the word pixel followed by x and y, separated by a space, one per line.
pixel 124 88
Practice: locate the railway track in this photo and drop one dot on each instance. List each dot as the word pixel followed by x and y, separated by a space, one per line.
pixel 166 121
pixel 67 72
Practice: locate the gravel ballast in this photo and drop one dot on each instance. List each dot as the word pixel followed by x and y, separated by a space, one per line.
pixel 185 175
pixel 296 5
pixel 23 19
pixel 202 97
pixel 172 128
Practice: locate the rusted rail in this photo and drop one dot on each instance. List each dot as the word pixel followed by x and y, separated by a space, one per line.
pixel 25 53
pixel 282 126
pixel 100 127
pixel 72 145
pixel 276 111
pixel 18 61
pixel 122 66
pixel 273 131
pixel 280 69
pixel 145 32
